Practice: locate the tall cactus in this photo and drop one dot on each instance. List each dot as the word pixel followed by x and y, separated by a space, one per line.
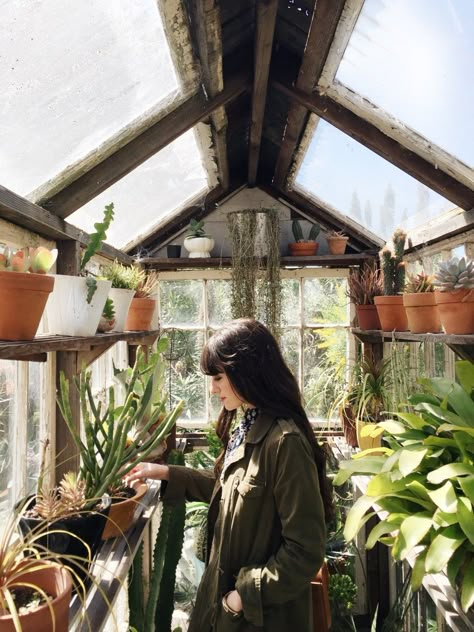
pixel 393 268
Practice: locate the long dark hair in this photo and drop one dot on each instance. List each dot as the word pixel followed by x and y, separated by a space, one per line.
pixel 249 355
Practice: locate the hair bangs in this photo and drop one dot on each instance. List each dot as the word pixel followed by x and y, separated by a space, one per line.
pixel 211 362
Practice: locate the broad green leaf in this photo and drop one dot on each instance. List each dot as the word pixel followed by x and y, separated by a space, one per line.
pixel 414 421
pixel 420 398
pixel 391 461
pixel 380 529
pixel 451 428
pixel 407 508
pixel 371 430
pixel 445 497
pixel 382 485
pixel 372 452
pixel 413 530
pixel 466 517
pixel 441 414
pixel 442 548
pixel 442 442
pixel 455 564
pixel 356 514
pixel 393 427
pixel 467 586
pixel 443 519
pixel 418 489
pixel 451 470
pixel 465 374
pixel 467 486
pixel 457 397
pixel 368 465
pixel 410 459
pixel 418 571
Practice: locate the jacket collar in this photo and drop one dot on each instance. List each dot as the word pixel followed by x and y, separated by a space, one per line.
pixel 260 428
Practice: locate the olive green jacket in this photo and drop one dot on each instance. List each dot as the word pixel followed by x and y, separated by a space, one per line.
pixel 266 528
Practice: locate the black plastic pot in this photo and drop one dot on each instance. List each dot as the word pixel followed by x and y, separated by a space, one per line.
pixel 173 251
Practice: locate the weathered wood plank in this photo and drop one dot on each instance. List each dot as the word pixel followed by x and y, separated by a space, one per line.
pixel 324 22
pixel 383 145
pixel 137 151
pixel 264 32
pixel 21 212
pixel 374 335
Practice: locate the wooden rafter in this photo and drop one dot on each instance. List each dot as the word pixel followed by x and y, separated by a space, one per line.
pixel 324 21
pixel 128 157
pixel 20 211
pixel 266 12
pixel 376 140
pixel 208 34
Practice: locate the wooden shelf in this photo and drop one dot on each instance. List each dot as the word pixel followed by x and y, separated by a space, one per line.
pixel 35 350
pixel 462 345
pixel 328 261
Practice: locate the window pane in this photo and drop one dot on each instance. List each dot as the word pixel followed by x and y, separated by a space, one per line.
pixel 355 181
pixel 290 301
pixel 33 427
pixel 324 369
pixel 7 433
pixel 413 59
pixel 291 348
pixel 185 380
pixel 219 300
pixel 325 301
pixel 181 303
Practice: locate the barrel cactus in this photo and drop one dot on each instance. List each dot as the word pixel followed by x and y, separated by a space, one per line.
pixel 455 274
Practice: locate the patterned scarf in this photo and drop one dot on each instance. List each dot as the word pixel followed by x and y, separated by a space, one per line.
pixel 239 434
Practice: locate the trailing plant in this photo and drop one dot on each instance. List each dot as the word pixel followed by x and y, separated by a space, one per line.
pixel 37 260
pixel 298 231
pixel 124 277
pixel 420 283
pixel 455 274
pixel 424 481
pixel 256 290
pixel 196 229
pixel 364 283
pixel 393 268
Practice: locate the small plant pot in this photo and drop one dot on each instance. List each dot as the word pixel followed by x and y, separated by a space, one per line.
pixel 456 311
pixel 55 581
pixel 349 427
pixel 337 245
pixel 199 247
pixel 368 317
pixel 303 248
pixel 122 299
pixel 121 513
pixel 391 313
pixel 173 251
pixel 422 312
pixel 23 297
pixel 140 314
pixel 364 439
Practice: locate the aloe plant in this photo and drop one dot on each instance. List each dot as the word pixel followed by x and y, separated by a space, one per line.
pixel 424 482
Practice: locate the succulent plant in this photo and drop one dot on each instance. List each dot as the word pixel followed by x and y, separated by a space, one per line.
pixel 298 231
pixel 123 277
pixel 455 274
pixel 393 267
pixel 196 229
pixel 37 260
pixel 420 283
pixel 364 284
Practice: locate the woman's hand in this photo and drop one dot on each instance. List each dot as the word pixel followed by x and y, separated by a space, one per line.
pixel 147 470
pixel 234 601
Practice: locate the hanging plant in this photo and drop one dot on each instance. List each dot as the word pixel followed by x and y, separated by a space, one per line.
pixel 256 285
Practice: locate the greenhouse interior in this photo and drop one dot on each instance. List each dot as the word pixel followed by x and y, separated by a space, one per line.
pixel 237 316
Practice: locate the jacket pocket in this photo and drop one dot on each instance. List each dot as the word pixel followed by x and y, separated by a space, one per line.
pixel 250 488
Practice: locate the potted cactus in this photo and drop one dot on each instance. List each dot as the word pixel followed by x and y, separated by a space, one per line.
pixel 197 242
pixel 420 305
pixel 125 280
pixel 337 242
pixel 304 247
pixel 390 305
pixel 24 290
pixel 455 296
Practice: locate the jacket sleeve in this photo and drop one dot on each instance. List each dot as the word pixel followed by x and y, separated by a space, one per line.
pixel 300 509
pixel 186 482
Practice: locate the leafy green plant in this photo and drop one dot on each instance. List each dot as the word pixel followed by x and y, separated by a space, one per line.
pixel 95 242
pixel 109 310
pixel 196 229
pixel 124 277
pixel 424 481
pixel 393 268
pixel 298 231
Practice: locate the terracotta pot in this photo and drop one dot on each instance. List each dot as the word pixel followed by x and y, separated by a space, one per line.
pixel 23 297
pixel 456 311
pixel 303 248
pixel 320 599
pixel 367 442
pixel 422 312
pixel 140 314
pixel 55 581
pixel 121 513
pixel 337 245
pixel 368 317
pixel 349 427
pixel 391 313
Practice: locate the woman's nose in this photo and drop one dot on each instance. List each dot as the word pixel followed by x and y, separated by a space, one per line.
pixel 213 389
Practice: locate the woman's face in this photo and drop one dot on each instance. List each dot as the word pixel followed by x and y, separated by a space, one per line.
pixel 221 386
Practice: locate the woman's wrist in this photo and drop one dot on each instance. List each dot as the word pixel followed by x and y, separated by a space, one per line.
pixel 232 603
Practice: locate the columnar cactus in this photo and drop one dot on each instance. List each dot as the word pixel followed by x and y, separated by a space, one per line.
pixel 393 267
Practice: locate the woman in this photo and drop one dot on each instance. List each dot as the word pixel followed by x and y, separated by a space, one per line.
pixel 268 495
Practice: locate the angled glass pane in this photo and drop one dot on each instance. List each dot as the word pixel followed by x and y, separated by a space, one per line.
pixel 414 59
pixel 341 172
pixel 73 75
pixel 150 193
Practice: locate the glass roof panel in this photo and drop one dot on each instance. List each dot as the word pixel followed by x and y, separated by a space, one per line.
pixel 414 60
pixel 73 74
pixel 339 171
pixel 150 193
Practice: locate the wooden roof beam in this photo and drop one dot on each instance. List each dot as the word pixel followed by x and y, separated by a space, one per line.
pixel 266 13
pixel 137 151
pixel 20 211
pixel 385 146
pixel 323 25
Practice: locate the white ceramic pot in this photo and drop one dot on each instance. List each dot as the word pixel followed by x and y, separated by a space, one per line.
pixel 67 311
pixel 199 246
pixel 122 299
